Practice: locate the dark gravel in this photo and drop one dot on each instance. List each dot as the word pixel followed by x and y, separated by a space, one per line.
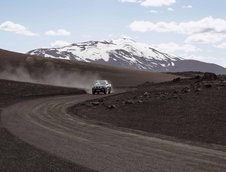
pixel 190 109
pixel 18 156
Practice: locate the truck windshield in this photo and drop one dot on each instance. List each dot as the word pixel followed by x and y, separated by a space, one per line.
pixel 101 82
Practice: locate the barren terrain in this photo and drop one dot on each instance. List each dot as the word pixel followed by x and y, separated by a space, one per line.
pixel 189 109
pixel 110 148
pixel 175 125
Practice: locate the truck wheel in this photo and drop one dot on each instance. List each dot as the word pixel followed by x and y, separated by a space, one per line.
pixel 93 92
pixel 109 91
pixel 105 91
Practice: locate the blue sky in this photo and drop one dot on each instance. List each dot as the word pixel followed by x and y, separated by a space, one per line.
pixel 188 28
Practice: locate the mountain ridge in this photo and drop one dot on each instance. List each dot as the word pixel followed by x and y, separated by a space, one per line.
pixel 126 53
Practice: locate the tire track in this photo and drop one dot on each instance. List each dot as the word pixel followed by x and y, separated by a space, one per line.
pixel 45 124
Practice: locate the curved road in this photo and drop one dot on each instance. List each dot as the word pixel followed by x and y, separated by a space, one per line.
pixel 45 124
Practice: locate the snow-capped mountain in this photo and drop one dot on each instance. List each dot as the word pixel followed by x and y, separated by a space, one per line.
pixel 126 53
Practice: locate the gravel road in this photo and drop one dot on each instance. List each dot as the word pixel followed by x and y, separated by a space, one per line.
pixel 46 124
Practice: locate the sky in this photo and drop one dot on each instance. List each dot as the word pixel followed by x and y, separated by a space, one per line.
pixel 191 29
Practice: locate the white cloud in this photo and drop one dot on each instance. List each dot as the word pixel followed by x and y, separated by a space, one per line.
pixel 59 32
pixel 200 58
pixel 209 59
pixel 144 26
pixel 170 9
pixel 187 6
pixel 58 44
pixel 205 25
pixel 206 30
pixel 153 11
pixel 157 3
pixel 173 47
pixel 151 3
pixel 222 45
pixel 17 28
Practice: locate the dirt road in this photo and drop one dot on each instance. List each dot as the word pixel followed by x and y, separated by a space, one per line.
pixel 46 124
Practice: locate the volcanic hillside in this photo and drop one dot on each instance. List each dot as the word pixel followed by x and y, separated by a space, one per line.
pixel 28 68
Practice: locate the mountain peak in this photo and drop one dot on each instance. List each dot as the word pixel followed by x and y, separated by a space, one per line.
pixel 122 52
pixel 125 38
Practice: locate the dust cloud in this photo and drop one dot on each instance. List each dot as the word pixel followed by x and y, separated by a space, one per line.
pixel 51 76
